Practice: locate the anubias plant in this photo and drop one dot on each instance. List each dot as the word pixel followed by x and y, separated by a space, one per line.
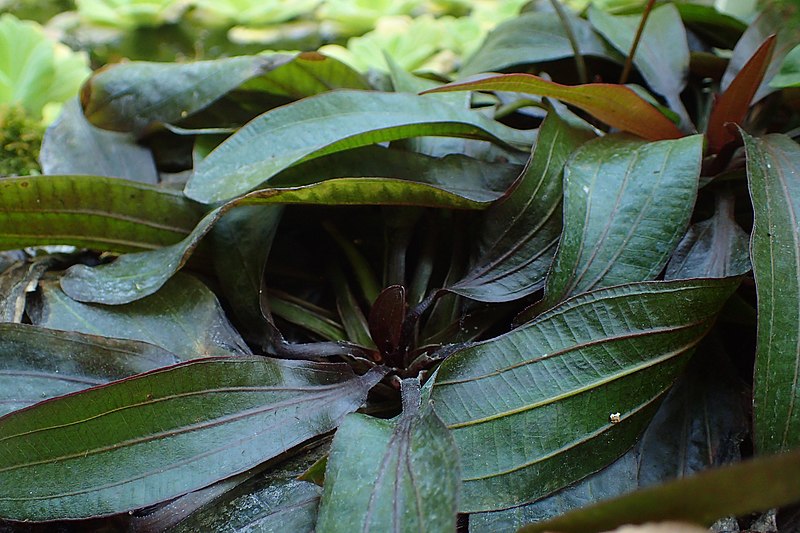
pixel 301 299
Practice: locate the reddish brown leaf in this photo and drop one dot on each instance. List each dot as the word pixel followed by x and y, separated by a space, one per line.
pixel 616 105
pixel 732 106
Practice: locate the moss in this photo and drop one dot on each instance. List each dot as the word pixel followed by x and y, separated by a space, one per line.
pixel 20 142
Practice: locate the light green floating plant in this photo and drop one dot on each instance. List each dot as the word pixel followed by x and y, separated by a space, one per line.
pixel 252 13
pixel 37 73
pixel 130 14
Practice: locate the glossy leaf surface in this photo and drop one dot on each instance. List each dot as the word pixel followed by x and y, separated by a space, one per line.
pixel 38 363
pixel 616 105
pixel 519 235
pixel 391 475
pixel 773 171
pixel 183 317
pixel 626 205
pixel 92 211
pixel 737 490
pixel 533 38
pixel 72 145
pixel 530 410
pixel 329 123
pixel 662 54
pixel 165 433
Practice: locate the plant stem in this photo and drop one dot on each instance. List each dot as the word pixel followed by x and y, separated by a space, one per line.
pixel 629 61
pixel 580 63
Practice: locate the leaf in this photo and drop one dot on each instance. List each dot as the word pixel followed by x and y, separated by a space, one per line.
pixel 715 28
pixel 530 410
pixel 386 319
pixel 662 54
pixel 789 74
pixel 135 276
pixel 301 313
pixel 700 424
pixel 626 205
pixel 158 435
pixel 134 96
pixel 329 123
pixel 741 489
pixel 734 103
pixel 770 21
pixel 183 317
pixel 616 105
pixel 518 238
pixel 107 214
pixel 713 248
pixel 773 167
pixel 17 281
pixel 391 475
pixel 533 38
pixel 72 145
pixel 38 363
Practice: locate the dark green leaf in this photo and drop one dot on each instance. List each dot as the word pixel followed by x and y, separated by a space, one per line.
pixel 773 167
pixel 519 234
pixel 531 410
pixel 165 433
pixel 97 212
pixel 183 317
pixel 700 424
pixel 72 145
pixel 329 123
pixel 305 315
pixel 626 205
pixel 38 363
pixel 133 96
pixel 716 28
pixel 533 38
pixel 713 248
pixel 396 475
pixel 756 485
pixel 17 281
pixel 662 55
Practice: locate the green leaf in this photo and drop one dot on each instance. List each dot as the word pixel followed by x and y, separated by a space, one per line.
pixel 530 410
pixel 135 276
pixel 134 96
pixel 713 248
pixel 616 105
pixel 158 435
pixel 533 38
pixel 789 75
pixel 72 145
pixel 700 424
pixel 97 212
pixel 715 28
pixel 391 475
pixel 756 485
pixel 38 363
pixel 773 166
pixel 305 315
pixel 183 317
pixel 518 238
pixel 626 205
pixel 662 55
pixel 329 123
pixel 17 281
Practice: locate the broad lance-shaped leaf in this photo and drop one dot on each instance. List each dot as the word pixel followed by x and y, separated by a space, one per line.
pixel 135 276
pixel 662 55
pixel 71 145
pixel 38 363
pixel 96 212
pixel 183 317
pixel 531 410
pixel 533 38
pixel 133 96
pixel 626 205
pixel 700 424
pixel 396 475
pixel 329 123
pixel 733 105
pixel 156 436
pixel 773 172
pixel 738 490
pixel 713 248
pixel 616 105
pixel 519 234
